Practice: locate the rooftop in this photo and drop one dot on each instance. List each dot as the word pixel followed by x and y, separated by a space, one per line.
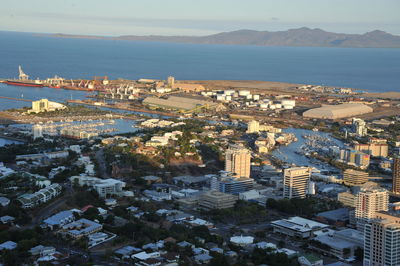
pixel 299 224
pixel 334 242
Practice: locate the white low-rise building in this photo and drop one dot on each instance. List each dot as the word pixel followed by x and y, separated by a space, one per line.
pixel 39 197
pixel 297 226
pixel 104 187
pixel 60 219
pixel 242 240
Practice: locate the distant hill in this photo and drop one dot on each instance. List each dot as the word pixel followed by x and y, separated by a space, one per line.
pixel 293 37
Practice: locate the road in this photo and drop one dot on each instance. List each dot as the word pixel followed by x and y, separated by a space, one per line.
pixel 48 210
pixel 99 155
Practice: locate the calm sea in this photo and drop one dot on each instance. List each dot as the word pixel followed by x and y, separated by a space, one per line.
pixel 362 68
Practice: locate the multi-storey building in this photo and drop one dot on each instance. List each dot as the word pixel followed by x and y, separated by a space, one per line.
pixel 369 201
pixel 396 175
pixel 373 149
pixel 356 158
pixel 236 185
pixel 360 127
pixel 347 199
pixel 295 182
pixel 253 127
pixel 104 187
pixel 237 161
pixel 355 178
pixel 381 242
pixel 217 200
pixel 41 196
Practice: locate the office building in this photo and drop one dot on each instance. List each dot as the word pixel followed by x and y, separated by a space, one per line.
pixel 41 105
pixel 44 105
pixel 237 161
pixel 297 227
pixel 37 131
pixel 235 185
pixel 170 82
pixel 355 178
pixel 217 200
pixel 396 175
pixel 253 127
pixel 295 182
pixel 360 127
pixel 373 149
pixel 381 242
pixel 355 158
pixel 347 199
pixel 369 201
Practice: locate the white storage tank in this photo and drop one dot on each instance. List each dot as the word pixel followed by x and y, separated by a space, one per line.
pixel 244 92
pixel 272 106
pixel 278 105
pixel 249 97
pixel 264 106
pixel 228 98
pixel 256 97
pixel 220 97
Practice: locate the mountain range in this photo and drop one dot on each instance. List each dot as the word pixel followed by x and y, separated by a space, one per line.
pixel 293 37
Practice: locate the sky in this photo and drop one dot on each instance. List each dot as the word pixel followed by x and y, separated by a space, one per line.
pixel 196 17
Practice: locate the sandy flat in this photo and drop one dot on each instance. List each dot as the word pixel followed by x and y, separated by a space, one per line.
pixel 385 95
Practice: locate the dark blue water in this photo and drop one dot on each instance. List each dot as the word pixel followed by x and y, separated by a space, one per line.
pixel 361 68
pixel 33 93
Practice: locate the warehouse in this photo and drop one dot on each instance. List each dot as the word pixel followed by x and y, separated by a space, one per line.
pixel 338 111
pixel 183 104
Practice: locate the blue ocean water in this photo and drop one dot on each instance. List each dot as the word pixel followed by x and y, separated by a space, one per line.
pixel 361 68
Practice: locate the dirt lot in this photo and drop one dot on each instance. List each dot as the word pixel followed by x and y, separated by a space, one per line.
pixel 255 86
pixel 381 112
pixel 385 95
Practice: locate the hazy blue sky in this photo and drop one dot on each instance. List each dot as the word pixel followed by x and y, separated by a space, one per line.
pixel 197 17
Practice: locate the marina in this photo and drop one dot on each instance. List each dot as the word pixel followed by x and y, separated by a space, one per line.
pixel 297 153
pixel 73 128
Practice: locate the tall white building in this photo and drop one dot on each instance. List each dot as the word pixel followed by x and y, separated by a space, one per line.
pixel 369 201
pixel 360 127
pixel 37 131
pixel 253 127
pixel 237 161
pixel 382 242
pixel 295 182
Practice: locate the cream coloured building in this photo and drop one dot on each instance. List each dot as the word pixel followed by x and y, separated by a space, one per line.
pixel 237 161
pixel 253 127
pixel 369 201
pixel 44 105
pixel 382 241
pixel 347 199
pixel 295 182
pixel 396 175
pixel 355 178
pixel 217 200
